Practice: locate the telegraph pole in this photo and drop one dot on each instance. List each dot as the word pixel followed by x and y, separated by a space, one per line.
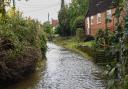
pixel 14 4
pixel 48 17
pixel 14 7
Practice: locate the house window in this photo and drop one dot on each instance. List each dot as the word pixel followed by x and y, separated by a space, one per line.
pixel 88 22
pixel 92 20
pixel 109 14
pixel 98 18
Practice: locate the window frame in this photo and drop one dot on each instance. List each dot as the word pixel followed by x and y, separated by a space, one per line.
pixel 92 20
pixel 109 14
pixel 99 18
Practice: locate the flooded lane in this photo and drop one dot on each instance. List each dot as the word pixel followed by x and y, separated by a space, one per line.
pixel 65 70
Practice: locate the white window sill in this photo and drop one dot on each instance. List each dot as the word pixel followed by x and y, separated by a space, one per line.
pixel 98 22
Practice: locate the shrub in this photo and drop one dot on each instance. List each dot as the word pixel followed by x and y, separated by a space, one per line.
pixel 78 23
pixel 43 44
pixel 104 38
pixel 58 30
pixel 80 34
pixel 22 33
pixel 88 38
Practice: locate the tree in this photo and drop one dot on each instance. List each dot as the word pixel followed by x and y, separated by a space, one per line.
pixel 64 22
pixel 68 14
pixel 48 29
pixel 63 17
pixel 78 22
pixel 78 10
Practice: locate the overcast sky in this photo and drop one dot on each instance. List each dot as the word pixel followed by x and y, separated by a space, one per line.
pixel 39 9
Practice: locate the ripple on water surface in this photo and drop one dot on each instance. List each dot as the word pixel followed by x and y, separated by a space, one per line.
pixel 66 70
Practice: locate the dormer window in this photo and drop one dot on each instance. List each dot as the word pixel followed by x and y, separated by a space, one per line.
pixel 98 18
pixel 92 20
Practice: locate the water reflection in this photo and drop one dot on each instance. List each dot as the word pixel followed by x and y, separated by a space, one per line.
pixel 65 70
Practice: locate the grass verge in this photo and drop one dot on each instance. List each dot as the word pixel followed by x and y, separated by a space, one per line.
pixel 71 44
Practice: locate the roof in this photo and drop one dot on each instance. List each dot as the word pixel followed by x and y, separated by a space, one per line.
pixel 98 6
pixel 54 22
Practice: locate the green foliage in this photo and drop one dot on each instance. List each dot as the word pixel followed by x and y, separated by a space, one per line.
pixel 104 39
pixel 22 33
pixel 47 27
pixel 121 47
pixel 63 17
pixel 116 47
pixel 43 45
pixel 79 7
pixel 72 16
pixel 78 22
pixel 126 82
pixel 58 30
pixel 80 34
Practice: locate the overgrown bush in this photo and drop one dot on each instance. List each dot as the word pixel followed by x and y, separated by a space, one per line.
pixel 43 45
pixel 47 27
pixel 104 39
pixel 116 46
pixel 64 20
pixel 80 34
pixel 22 33
pixel 58 30
pixel 21 43
pixel 78 22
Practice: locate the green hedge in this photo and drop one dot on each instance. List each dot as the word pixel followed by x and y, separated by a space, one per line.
pixel 22 33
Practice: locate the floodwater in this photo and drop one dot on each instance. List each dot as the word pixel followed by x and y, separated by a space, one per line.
pixel 64 70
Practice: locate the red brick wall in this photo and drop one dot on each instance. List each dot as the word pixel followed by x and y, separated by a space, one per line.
pixel 54 22
pixel 96 26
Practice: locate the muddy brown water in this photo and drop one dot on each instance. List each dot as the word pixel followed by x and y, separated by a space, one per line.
pixel 64 70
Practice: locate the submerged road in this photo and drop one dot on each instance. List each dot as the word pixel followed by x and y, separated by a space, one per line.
pixel 64 70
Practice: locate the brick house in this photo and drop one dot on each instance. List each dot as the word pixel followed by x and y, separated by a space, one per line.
pixel 96 16
pixel 55 22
